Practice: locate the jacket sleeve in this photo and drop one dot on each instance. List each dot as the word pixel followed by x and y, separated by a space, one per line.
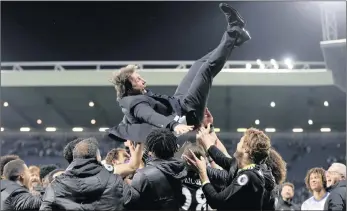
pixel 134 192
pixel 334 202
pixel 46 206
pixel 131 196
pixel 217 177
pixel 23 200
pixel 297 207
pixel 231 194
pixel 219 157
pixel 146 113
pixel 48 199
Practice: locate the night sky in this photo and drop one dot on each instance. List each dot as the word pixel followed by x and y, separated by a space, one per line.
pixel 111 31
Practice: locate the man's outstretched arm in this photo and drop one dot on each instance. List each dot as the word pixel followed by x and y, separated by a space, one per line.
pixel 220 158
pixel 146 113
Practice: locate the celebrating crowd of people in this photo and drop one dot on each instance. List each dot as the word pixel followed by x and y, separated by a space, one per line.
pixel 172 158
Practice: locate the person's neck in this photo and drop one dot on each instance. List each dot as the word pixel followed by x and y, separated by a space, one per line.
pixel 318 195
pixel 19 183
pixel 244 162
pixel 144 91
pixel 286 200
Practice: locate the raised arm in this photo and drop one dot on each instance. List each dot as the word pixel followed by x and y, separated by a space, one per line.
pixel 135 161
pixel 146 113
pixel 220 158
pixel 209 140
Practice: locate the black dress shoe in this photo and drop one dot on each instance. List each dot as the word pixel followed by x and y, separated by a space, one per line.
pixel 233 17
pixel 243 37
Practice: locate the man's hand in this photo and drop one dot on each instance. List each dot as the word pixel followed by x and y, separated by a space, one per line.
pixel 205 138
pixel 181 129
pixel 134 163
pixel 208 118
pixel 199 165
pixel 136 155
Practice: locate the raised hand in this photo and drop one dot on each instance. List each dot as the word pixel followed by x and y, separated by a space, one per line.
pixel 198 164
pixel 205 138
pixel 208 118
pixel 182 129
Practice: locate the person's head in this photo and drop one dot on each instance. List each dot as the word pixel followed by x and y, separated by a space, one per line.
pixel 34 172
pixel 127 81
pixel 4 160
pixel 17 171
pixel 46 169
pixel 197 149
pixel 52 175
pixel 86 149
pixel 315 180
pixel 335 173
pixel 253 147
pixel 277 165
pixel 161 143
pixel 69 148
pixel 287 191
pixel 116 156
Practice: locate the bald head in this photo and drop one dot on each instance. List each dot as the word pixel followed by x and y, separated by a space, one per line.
pixel 88 148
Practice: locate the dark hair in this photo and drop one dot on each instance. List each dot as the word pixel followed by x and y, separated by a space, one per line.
pixel 121 80
pixel 162 142
pixel 69 149
pixel 46 169
pixel 50 175
pixel 85 149
pixel 4 160
pixel 113 155
pixel 14 169
pixel 277 165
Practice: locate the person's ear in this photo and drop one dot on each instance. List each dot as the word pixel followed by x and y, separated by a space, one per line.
pixel 21 177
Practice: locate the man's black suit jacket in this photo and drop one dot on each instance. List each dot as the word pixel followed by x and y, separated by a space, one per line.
pixel 143 113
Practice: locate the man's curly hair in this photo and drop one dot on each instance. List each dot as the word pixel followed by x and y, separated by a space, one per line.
pixel 320 172
pixel 4 160
pixel 162 142
pixel 46 169
pixel 68 149
pixel 121 80
pixel 257 144
pixel 88 148
pixel 278 166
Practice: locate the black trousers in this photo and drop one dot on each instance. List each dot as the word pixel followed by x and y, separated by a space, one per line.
pixel 194 89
